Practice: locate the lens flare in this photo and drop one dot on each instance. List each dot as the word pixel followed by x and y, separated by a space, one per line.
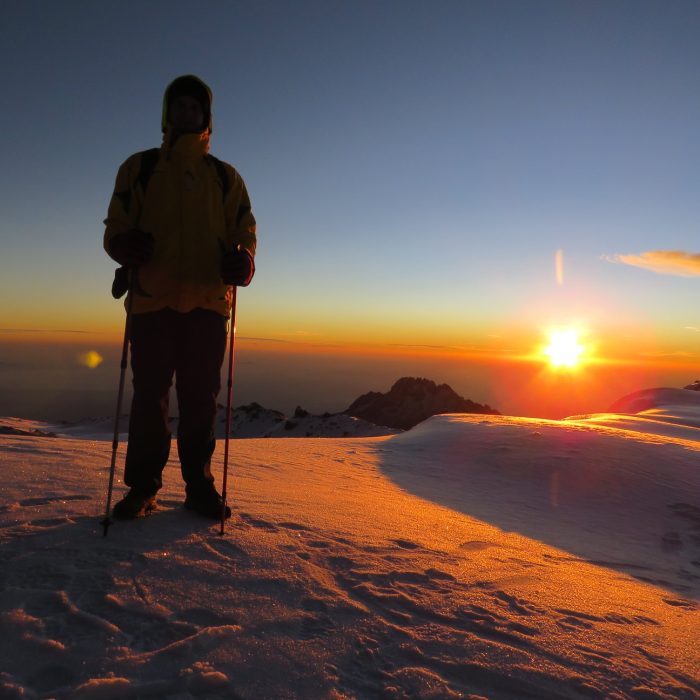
pixel 90 359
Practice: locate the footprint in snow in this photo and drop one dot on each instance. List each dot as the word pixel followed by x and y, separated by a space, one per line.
pixel 314 605
pixel 203 617
pixel 680 603
pixel 294 526
pixel 259 523
pixel 518 605
pixel 45 500
pixel 476 545
pixel 317 626
pixel 438 575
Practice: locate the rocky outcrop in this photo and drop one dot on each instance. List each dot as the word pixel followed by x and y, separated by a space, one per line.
pixel 255 421
pixel 410 401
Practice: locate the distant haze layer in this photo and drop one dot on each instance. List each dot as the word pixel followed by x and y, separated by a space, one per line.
pixel 60 382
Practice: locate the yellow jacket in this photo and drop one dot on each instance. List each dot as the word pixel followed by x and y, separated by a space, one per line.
pixel 192 225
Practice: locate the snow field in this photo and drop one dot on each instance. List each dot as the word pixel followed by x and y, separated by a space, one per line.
pixel 472 557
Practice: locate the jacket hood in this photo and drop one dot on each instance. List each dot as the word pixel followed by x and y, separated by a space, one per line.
pixel 188 85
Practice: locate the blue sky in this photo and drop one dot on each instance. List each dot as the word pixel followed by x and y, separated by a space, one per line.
pixel 413 166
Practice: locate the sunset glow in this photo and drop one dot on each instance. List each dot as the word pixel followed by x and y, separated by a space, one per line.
pixel 564 349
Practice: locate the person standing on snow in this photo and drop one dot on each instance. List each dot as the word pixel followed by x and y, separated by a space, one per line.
pixel 180 220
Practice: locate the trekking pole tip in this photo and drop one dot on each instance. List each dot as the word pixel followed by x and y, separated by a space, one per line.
pixel 105 524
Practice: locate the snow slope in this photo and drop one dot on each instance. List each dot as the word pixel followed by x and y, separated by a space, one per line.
pixel 471 557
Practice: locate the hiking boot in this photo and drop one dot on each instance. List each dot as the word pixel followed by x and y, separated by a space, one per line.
pixel 207 503
pixel 135 504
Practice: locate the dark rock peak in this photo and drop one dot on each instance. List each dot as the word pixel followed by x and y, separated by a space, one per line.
pixel 418 386
pixel 255 410
pixel 410 401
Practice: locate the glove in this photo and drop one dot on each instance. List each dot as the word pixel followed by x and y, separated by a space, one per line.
pixel 120 286
pixel 237 268
pixel 132 248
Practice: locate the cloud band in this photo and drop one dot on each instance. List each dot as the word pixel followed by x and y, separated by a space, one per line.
pixel 663 262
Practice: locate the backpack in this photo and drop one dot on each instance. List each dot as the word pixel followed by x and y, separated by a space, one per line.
pixel 149 160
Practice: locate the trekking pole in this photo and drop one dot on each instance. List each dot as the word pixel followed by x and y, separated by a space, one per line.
pixel 115 441
pixel 232 322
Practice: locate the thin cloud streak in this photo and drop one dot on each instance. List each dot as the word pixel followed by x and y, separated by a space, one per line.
pixel 673 353
pixel 479 349
pixel 559 266
pixel 39 330
pixel 262 340
pixel 663 262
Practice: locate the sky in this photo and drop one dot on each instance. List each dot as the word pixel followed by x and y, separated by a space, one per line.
pixel 416 170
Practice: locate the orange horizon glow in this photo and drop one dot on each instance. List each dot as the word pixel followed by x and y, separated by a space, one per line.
pixel 483 349
pixel 496 341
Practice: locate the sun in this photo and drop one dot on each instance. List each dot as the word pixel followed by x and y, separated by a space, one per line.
pixel 564 349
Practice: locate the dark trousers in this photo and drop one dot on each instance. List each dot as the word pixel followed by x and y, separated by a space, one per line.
pixel 190 346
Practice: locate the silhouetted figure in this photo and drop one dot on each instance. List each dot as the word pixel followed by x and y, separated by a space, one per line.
pixel 180 222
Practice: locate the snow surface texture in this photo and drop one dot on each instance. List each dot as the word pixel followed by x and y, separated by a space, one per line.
pixel 471 557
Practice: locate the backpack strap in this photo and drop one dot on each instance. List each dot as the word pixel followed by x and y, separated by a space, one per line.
pixel 149 160
pixel 221 173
